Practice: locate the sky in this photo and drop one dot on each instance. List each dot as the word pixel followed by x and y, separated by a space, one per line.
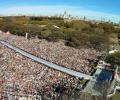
pixel 92 9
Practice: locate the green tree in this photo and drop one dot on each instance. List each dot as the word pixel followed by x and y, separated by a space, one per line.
pixel 113 58
pixel 99 42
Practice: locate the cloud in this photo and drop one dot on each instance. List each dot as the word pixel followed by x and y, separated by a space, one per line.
pixel 58 9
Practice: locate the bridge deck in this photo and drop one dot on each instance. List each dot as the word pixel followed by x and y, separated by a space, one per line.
pixel 47 63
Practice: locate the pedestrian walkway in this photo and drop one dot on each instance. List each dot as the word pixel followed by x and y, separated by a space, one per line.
pixel 48 64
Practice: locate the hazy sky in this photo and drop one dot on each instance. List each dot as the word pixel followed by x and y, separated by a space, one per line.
pixel 94 9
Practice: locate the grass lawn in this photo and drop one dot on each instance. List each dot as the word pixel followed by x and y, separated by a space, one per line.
pixel 116 96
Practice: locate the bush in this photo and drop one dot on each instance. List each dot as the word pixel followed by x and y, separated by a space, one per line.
pixel 45 34
pixel 113 58
pixel 77 33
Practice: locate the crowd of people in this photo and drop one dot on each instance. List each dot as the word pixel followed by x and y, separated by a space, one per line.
pixel 21 75
pixel 56 52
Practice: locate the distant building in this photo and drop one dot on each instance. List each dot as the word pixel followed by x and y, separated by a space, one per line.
pixel 66 17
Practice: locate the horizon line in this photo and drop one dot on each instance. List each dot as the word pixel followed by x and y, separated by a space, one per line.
pixel 49 10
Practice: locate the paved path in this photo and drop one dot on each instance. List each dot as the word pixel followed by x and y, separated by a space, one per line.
pixel 49 64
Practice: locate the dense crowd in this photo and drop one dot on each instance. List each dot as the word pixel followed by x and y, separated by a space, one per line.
pixel 24 76
pixel 56 52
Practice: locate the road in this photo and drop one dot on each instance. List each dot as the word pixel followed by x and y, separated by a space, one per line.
pixel 46 63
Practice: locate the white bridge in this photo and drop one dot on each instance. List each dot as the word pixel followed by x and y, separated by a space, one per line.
pixel 46 63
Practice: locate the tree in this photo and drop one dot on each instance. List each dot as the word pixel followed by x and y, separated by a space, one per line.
pixel 113 58
pixel 98 31
pixel 45 34
pixel 99 42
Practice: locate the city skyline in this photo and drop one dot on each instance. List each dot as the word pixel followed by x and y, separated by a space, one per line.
pixel 108 10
